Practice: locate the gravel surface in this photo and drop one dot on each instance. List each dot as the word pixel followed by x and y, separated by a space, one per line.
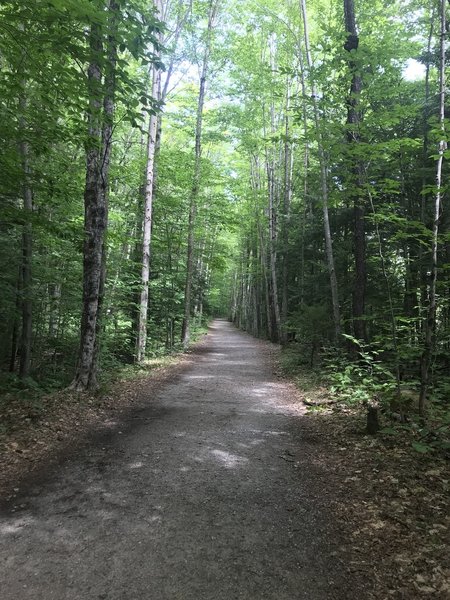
pixel 210 491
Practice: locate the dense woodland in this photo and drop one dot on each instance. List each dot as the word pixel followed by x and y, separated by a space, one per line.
pixel 281 164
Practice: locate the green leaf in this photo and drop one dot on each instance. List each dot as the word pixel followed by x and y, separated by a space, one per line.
pixel 389 431
pixel 421 448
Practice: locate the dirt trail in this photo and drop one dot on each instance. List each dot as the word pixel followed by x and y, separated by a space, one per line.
pixel 209 493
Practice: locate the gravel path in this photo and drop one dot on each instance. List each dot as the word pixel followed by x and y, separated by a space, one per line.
pixel 209 493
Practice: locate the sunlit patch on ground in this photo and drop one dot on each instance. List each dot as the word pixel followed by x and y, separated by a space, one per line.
pixel 229 460
pixel 15 525
pixel 136 465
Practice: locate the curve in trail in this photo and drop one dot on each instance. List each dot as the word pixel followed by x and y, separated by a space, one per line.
pixel 207 496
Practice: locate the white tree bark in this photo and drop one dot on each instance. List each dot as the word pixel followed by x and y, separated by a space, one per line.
pixel 185 330
pixel 432 304
pixel 141 339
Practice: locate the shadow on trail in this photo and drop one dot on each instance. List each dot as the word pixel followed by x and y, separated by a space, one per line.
pixel 206 491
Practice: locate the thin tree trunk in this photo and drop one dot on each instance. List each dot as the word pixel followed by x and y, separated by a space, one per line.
pixel 173 39
pixel 272 192
pixel 15 330
pixel 263 256
pixel 432 305
pixel 307 208
pixel 141 340
pixel 160 91
pixel 265 309
pixel 287 196
pixel 163 90
pixel 393 321
pixel 273 256
pixel 324 182
pixel 54 295
pixel 185 330
pixel 27 253
pixel 425 161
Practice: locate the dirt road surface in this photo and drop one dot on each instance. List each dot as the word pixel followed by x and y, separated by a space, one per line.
pixel 209 492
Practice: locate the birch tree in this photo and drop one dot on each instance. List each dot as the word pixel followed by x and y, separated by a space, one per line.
pixel 213 8
pixel 430 325
pixel 141 339
pixel 160 89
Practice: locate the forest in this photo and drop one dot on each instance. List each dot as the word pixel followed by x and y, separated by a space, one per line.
pixel 224 299
pixel 284 165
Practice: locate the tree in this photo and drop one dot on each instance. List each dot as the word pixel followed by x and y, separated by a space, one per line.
pixel 357 170
pixel 324 179
pixel 27 246
pixel 141 339
pixel 213 7
pixel 95 216
pixel 101 93
pixel 430 324
pixel 292 190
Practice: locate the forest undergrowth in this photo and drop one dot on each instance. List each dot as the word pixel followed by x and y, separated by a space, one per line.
pixel 394 487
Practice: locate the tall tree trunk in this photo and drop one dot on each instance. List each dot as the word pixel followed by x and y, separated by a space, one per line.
pixel 324 181
pixel 307 205
pixel 273 201
pixel 107 134
pixel 266 283
pixel 27 251
pixel 141 339
pixel 357 170
pixel 276 328
pixel 185 329
pixel 98 155
pixel 95 220
pixel 432 305
pixel 287 196
pixel 425 162
pixel 266 326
